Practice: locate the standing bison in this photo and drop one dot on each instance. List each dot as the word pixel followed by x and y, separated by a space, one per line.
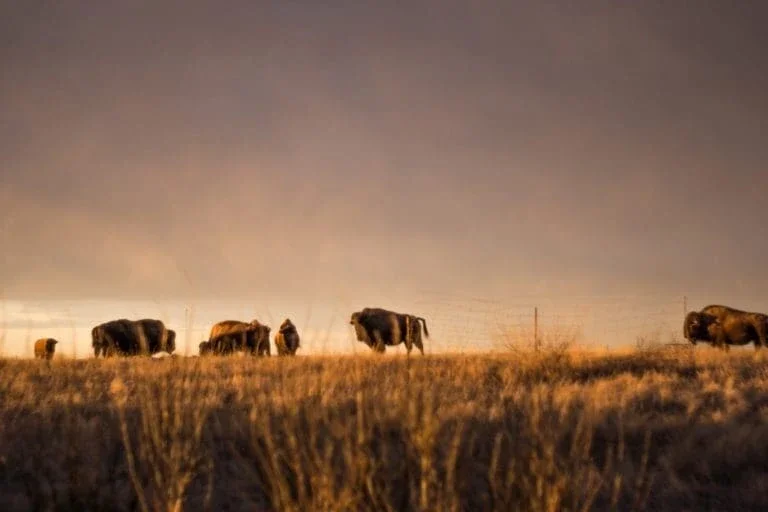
pixel 377 328
pixel 231 336
pixel 45 348
pixel 287 339
pixel 205 348
pixel 132 337
pixel 723 326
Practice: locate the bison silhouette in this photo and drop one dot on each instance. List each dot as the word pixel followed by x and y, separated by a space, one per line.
pixel 231 336
pixel 379 328
pixel 287 339
pixel 125 337
pixel 723 326
pixel 205 348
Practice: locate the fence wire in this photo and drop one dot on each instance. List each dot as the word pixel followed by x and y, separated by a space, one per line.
pixel 456 323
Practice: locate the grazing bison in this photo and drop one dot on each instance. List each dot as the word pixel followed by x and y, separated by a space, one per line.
pixel 112 338
pixel 45 348
pixel 231 336
pixel 205 348
pixel 287 339
pixel 128 338
pixel 158 337
pixel 226 344
pixel 377 328
pixel 723 326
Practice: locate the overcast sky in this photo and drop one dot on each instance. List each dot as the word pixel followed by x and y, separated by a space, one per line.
pixel 370 151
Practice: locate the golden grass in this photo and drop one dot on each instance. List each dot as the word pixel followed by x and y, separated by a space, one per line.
pixel 542 432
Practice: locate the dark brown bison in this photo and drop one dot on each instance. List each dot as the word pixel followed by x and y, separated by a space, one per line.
pixel 158 337
pixel 205 348
pixel 723 326
pixel 132 337
pixel 287 339
pixel 231 336
pixel 699 326
pixel 112 338
pixel 377 328
pixel 45 348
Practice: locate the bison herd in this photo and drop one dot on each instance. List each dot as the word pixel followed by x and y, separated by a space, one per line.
pixel 721 326
pixel 376 327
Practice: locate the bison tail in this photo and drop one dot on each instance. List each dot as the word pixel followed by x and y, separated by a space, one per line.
pixel 424 323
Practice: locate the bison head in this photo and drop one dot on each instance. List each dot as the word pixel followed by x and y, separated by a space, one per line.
pixel 360 333
pixel 287 326
pixel 263 339
pixel 700 326
pixel 97 340
pixel 257 338
pixel 692 327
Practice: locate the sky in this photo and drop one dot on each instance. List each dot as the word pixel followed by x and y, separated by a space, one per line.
pixel 329 157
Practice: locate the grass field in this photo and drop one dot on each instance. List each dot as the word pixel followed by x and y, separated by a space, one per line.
pixel 553 431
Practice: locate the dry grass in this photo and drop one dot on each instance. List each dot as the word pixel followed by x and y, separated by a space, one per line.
pixel 561 431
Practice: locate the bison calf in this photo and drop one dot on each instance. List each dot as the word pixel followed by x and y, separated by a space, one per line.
pixel 45 348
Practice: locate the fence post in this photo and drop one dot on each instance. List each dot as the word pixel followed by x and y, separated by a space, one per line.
pixel 685 305
pixel 536 328
pixel 74 338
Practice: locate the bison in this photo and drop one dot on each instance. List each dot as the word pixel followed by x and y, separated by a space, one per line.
pixel 377 328
pixel 132 337
pixel 231 336
pixel 113 337
pixel 158 337
pixel 205 348
pixel 287 339
pixel 45 348
pixel 699 326
pixel 723 326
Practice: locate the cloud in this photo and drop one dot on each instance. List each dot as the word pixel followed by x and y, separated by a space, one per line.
pixel 307 152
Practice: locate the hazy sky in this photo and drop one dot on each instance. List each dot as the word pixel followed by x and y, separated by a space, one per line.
pixel 371 151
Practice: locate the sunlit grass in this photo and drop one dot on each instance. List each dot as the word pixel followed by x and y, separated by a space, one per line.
pixel 557 430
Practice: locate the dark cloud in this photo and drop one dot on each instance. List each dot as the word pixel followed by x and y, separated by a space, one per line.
pixel 194 150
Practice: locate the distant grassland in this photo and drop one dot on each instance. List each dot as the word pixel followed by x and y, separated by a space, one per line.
pixel 553 431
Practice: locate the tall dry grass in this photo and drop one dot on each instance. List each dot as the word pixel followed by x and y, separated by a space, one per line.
pixel 541 432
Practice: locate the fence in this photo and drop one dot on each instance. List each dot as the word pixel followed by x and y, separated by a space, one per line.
pixel 539 321
pixel 456 323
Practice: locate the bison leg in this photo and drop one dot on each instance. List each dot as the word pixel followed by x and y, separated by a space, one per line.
pixel 720 340
pixel 407 335
pixel 761 328
pixel 417 341
pixel 378 345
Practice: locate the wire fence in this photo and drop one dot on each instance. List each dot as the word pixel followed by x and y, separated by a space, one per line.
pixel 590 321
pixel 456 323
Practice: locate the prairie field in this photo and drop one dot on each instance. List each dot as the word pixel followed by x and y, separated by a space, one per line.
pixel 559 430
